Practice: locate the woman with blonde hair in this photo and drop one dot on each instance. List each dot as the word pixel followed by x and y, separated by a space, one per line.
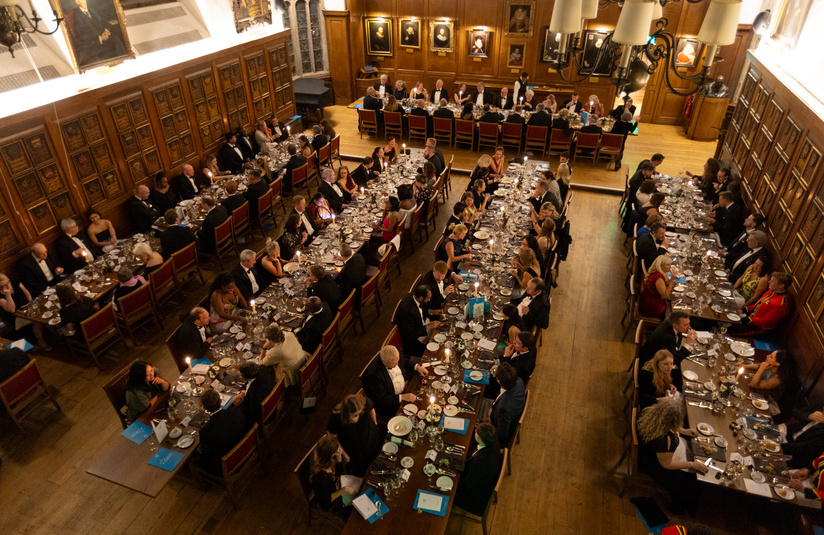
pixel 270 266
pixel 11 298
pixel 151 259
pixel 355 424
pixel 211 171
pixel 594 106
pixel 550 104
pixel 452 251
pixel 546 235
pixel 562 176
pixel 526 267
pixel 658 380
pixel 657 287
pixel 419 92
pixel 283 353
pixel 392 105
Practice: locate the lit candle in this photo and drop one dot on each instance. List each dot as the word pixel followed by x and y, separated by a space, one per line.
pixel 491 243
pixel 189 364
pixel 503 209
pixel 362 190
pixel 525 159
pixel 333 219
pixel 404 147
pixel 591 103
pixel 252 302
pixel 446 353
pixel 477 284
pixel 460 93
pixel 432 400
pixel 297 254
pixel 522 100
pixel 740 371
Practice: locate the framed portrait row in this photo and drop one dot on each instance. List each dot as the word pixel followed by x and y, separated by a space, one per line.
pixel 380 36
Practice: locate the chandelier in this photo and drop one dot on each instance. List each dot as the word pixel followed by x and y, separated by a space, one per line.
pixel 638 52
pixel 14 22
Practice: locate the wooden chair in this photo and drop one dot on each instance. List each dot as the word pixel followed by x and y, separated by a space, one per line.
pixel 630 454
pixel 393 338
pixel 270 410
pixel 137 309
pixel 516 436
pixel 586 146
pixel 311 376
pixel 164 286
pixel 442 129
pixel 465 132
pixel 115 390
pixel 345 311
pixel 612 146
pixel 393 123
pixel 303 473
pixel 417 127
pixel 276 187
pixel 536 138
pixel 438 246
pixel 299 178
pixel 239 466
pixel 312 174
pixel 512 135
pixel 224 241
pixel 383 271
pixel 559 140
pixel 330 343
pixel 185 263
pixel 23 392
pixel 448 178
pixel 324 156
pixel 432 213
pixel 409 233
pixel 486 518
pixel 368 296
pixel 266 211
pixel 240 220
pixel 487 135
pixel 99 333
pixel 362 374
pixel 367 122
pixel 335 147
pixel 174 350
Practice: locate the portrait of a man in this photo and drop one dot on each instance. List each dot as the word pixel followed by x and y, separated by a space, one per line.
pixel 519 18
pixel 410 33
pixel 379 36
pixel 96 32
pixel 441 36
pixel 478 43
pixel 516 56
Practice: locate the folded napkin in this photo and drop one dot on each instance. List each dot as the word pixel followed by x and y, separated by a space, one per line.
pixel 761 489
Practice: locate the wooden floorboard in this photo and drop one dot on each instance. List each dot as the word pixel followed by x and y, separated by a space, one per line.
pixel 560 482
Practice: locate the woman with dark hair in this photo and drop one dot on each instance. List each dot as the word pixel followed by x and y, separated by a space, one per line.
pixel 645 191
pixel 345 181
pixel 774 376
pixel 497 163
pixel 354 423
pixel 479 195
pixel 327 467
pixel 319 211
pixel 379 159
pixel 546 236
pixel 305 147
pixel 12 297
pixel 292 238
pixel 101 231
pixel 142 389
pixel 327 129
pixel 710 174
pixel 391 217
pixel 468 111
pixel 162 195
pixel 752 284
pixel 225 300
pixel 422 190
pixel 651 206
pixel 531 242
pixel 408 204
pixel 73 310
pixel 390 151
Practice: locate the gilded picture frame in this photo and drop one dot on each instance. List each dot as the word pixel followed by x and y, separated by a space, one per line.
pixel 378 36
pixel 95 31
pixel 441 36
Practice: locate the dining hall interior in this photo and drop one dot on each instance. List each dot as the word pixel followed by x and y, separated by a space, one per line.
pixel 126 104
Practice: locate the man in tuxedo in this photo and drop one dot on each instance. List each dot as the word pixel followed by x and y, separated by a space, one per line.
pixel 246 275
pixel 319 139
pixel 74 248
pixel 738 246
pixel 516 116
pixel 805 438
pixel 540 117
pixel 233 200
pixel 433 143
pixel 337 198
pixel 362 175
pixel 430 156
pixel 231 156
pixel 673 334
pixel 458 217
pixel 142 212
pixel 651 245
pixel 509 405
pixel 656 160
pixel 645 171
pixel 521 355
pixel 490 116
pixel 438 94
pixel 215 216
pixel 184 184
pixel 573 104
pixel 533 305
pixel 176 237
pixel 728 218
pixel 247 146
pixel 370 102
pixel 384 381
pixel 38 270
pixel 318 318
pixel 481 471
pixel 481 96
pixel 278 131
pixel 321 284
pixel 755 244
pixel 443 111
pixel 257 188
pixel 195 337
pixel 441 282
pixel 411 319
pixel 223 431
pixel 260 383
pixel 504 102
pixel 306 224
pixel 539 196
pixel 353 274
pixel 295 160
pixel 382 87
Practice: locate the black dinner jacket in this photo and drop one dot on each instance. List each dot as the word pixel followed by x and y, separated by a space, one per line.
pixel 623 127
pixel 736 248
pixel 437 300
pixel 302 226
pixel 174 239
pixel 230 159
pixel 515 118
pixel 361 175
pixel 142 213
pixel 444 94
pixel 252 194
pixel 259 390
pixel 538 310
pixel 189 341
pixel 537 202
pixel 387 89
pixel 311 335
pixel 730 224
pixel 504 104
pixel 437 162
pixel 478 480
pixel 663 337
pixel 65 246
pixel 491 117
pixel 32 277
pixel 352 276
pixel 419 111
pixel 244 283
pixel 737 271
pixel 319 141
pixel 648 249
pixel 222 432
pixel 336 201
pixel 294 162
pixel 410 327
pixel 247 147
pixel 806 447
pixel 592 129
pixel 559 123
pixel 487 97
pixel 371 103
pixel 328 292
pixel 506 411
pixel 619 111
pixel 379 388
pixel 213 219
pixel 183 188
pixel 524 363
pixel 540 118
pixel 444 113
pixel 578 105
pixel 284 134
pixel 233 202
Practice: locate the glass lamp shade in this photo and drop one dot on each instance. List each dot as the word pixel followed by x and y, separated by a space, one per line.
pixel 633 23
pixel 589 9
pixel 721 23
pixel 657 10
pixel 566 17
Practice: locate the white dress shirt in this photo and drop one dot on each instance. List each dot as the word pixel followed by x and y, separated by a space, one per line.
pixel 81 245
pixel 202 330
pixel 336 188
pixel 306 223
pixel 744 257
pixel 441 285
pixel 44 267
pixel 437 95
pixel 191 180
pixel 479 100
pixel 237 150
pixel 251 275
pixel 396 375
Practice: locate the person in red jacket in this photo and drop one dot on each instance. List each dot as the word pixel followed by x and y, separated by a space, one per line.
pixel 814 473
pixel 765 314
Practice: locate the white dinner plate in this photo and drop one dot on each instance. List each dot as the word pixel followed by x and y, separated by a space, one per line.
pixel 47 315
pixel 452 400
pixel 709 385
pixel 466 364
pixel 467 335
pixel 199 379
pixel 440 338
pixel 721 442
pixel 506 291
pixel 482 235
pixel 410 409
pixel 440 370
pixel 785 493
pixel 291 267
pixel 450 410
pixel 240 336
pixel 54 321
pixel 742 348
pixel 771 446
pixel 463 286
pixel 444 483
pixel 476 375
pixel 724 293
pixel 235 329
pixel 760 404
pixel 453 310
pixel 691 295
pixel 719 273
pixel 679 288
pixel 407 462
pixel 225 362
pixel 497 316
pixel 705 429
pixel 185 441
pixel 734 317
pixel 432 346
pixel 421 414
pixel 183 387
pixel 477 246
pixel 390 448
pixel 690 375
pixel 399 426
pixel 729 357
pixel 758 477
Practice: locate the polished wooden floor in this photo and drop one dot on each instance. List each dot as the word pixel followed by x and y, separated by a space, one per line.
pixel 560 482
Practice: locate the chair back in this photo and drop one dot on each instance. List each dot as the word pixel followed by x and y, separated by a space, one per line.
pixel 488 130
pixel 223 233
pixel 442 125
pixel 416 216
pixel 464 126
pixel 303 473
pixel 19 385
pixel 393 338
pixel 269 406
pixel 587 140
pixel 174 349
pixel 184 258
pixel 312 160
pixel 392 118
pixel 115 390
pixel 438 247
pixel 299 174
pixel 329 340
pixel 416 122
pixel 345 314
pixel 557 136
pixel 276 187
pixel 264 201
pixel 323 154
pixel 368 288
pixel 309 371
pixel 362 374
pixel 240 215
pixel 100 325
pixel 536 133
pixel 368 117
pixel 241 454
pixel 162 279
pixel 612 141
pixel 335 146
pixel 512 131
pixel 136 303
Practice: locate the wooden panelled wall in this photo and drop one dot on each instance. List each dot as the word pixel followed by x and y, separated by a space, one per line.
pixel 90 150
pixel 775 144
pixel 424 65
